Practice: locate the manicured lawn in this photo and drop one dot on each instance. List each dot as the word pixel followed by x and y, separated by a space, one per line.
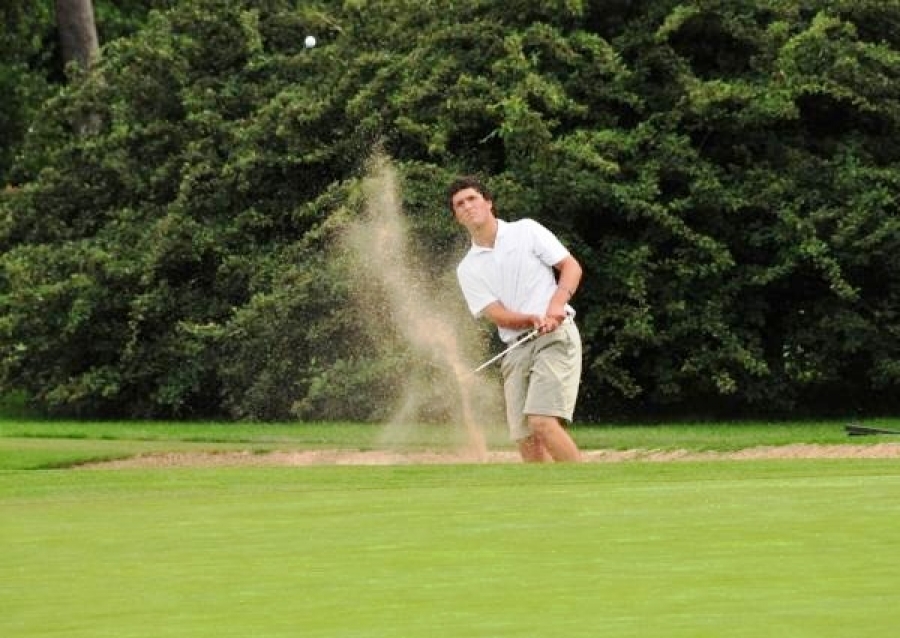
pixel 793 549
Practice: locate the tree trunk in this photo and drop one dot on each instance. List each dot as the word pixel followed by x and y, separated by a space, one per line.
pixel 77 32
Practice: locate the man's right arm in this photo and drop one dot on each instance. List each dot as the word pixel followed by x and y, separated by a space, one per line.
pixel 503 317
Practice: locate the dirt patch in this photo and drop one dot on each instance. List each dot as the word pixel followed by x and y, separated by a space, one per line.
pixel 382 457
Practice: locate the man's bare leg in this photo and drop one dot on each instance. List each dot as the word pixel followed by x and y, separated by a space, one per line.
pixel 533 450
pixel 554 438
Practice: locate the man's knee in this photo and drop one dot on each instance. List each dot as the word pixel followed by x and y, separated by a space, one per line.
pixel 542 424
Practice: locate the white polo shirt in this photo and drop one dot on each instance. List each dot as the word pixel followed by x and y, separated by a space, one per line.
pixel 517 271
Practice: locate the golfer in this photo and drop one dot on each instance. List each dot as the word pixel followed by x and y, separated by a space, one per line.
pixel 520 277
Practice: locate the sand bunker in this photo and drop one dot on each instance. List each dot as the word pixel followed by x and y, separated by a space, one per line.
pixel 383 457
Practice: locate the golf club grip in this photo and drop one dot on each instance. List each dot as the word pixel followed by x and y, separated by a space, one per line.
pixel 531 335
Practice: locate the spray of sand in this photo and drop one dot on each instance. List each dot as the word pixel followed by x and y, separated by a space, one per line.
pixel 431 330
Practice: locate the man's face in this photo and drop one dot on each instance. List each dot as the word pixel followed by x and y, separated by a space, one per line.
pixel 471 208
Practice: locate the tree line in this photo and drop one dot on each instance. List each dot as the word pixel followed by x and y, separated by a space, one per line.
pixel 726 171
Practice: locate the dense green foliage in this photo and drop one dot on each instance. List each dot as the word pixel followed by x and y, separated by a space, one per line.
pixel 724 170
pixel 22 56
pixel 31 66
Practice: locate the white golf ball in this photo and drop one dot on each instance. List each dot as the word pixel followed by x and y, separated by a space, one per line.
pixel 310 41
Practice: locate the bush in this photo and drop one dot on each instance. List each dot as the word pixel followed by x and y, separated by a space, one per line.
pixel 719 169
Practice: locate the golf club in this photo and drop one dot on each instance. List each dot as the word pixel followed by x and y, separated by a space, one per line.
pixel 531 335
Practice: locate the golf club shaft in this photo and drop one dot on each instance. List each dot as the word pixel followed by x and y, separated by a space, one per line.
pixel 531 335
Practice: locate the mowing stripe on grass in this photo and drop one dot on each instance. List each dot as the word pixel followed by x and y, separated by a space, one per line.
pixel 691 549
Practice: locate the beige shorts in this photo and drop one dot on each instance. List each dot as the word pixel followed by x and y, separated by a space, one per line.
pixel 542 377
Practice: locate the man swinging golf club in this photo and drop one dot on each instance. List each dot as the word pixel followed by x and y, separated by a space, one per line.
pixel 519 276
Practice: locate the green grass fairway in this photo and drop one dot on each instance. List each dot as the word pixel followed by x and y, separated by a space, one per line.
pixel 744 549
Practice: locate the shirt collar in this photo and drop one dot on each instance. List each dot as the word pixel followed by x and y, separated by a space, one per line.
pixel 501 230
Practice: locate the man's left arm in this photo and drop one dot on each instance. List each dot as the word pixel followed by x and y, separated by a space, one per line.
pixel 568 278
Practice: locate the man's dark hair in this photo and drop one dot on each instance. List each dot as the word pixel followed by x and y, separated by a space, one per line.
pixel 463 182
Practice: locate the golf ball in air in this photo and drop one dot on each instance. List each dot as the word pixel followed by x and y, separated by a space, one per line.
pixel 310 41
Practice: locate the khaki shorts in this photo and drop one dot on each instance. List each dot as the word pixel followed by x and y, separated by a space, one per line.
pixel 542 377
